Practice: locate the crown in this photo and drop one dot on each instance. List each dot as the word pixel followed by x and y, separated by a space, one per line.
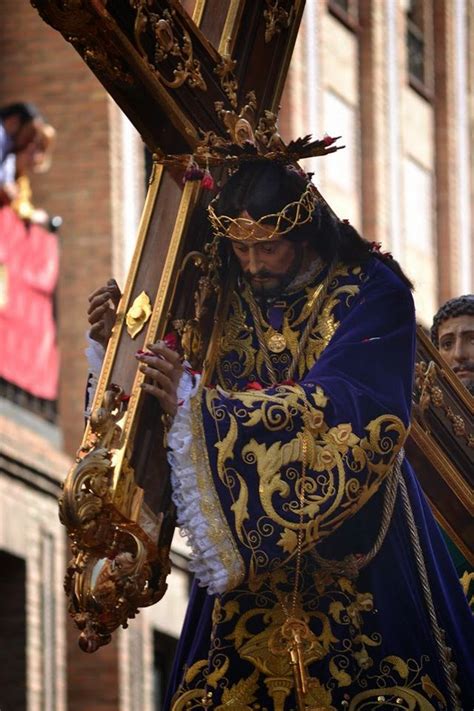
pixel 249 140
pixel 276 225
pixel 253 141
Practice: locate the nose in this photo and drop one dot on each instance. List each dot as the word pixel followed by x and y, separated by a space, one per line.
pixel 253 261
pixel 460 353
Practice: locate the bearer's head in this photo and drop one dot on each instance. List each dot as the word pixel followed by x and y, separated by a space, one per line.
pixel 21 122
pixel 452 333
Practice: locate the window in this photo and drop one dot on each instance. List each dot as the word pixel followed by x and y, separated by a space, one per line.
pixel 418 41
pixel 164 651
pixel 345 10
pixel 13 663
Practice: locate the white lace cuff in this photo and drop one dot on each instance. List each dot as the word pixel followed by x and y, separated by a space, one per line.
pixel 95 353
pixel 193 513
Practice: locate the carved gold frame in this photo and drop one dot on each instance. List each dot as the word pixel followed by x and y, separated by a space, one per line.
pixel 113 534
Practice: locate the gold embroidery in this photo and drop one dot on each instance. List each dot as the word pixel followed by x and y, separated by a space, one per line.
pixel 239 358
pixel 236 339
pixel 218 530
pixel 240 695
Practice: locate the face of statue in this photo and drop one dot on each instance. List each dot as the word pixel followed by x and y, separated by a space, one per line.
pixel 456 345
pixel 268 264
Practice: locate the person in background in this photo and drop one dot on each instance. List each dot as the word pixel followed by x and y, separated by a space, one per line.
pixel 19 124
pixel 34 158
pixel 452 333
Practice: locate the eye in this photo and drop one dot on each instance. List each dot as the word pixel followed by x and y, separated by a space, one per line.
pixel 446 344
pixel 268 248
pixel 241 248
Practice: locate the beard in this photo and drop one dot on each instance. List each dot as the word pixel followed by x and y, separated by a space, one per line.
pixel 467 377
pixel 275 284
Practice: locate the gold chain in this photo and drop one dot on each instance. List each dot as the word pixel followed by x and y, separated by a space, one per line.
pixel 317 297
pixel 295 637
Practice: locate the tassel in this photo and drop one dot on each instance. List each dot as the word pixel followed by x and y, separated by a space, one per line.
pixel 207 182
pixel 193 171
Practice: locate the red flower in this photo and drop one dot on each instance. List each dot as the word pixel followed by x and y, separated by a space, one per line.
pixel 253 385
pixel 329 140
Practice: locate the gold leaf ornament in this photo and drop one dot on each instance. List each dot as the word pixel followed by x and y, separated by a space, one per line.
pixel 400 666
pixel 432 690
pixel 343 678
pixel 240 695
pixel 240 508
pixel 288 540
pixel 138 314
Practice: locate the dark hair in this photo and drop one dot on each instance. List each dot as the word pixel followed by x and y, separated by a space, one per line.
pixel 262 188
pixel 460 306
pixel 24 110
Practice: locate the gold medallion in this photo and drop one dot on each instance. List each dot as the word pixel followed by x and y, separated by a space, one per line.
pixel 277 342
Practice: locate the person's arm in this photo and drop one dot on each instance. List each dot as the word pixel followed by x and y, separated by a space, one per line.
pixel 251 468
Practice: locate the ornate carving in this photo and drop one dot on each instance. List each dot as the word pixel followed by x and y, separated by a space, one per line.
pixel 75 20
pixel 115 569
pixel 240 127
pixel 84 506
pixel 138 314
pixel 225 70
pixel 190 330
pixel 106 589
pixel 276 19
pixel 428 393
pixel 105 431
pixel 161 39
pixel 104 61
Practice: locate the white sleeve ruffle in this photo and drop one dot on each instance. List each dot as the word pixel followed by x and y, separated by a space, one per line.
pixel 205 560
pixel 95 353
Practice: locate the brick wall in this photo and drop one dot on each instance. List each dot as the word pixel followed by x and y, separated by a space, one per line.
pixel 39 66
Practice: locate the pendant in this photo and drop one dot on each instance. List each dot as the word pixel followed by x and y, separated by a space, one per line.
pixel 276 342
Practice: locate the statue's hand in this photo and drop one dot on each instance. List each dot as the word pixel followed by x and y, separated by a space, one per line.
pixel 163 369
pixel 102 311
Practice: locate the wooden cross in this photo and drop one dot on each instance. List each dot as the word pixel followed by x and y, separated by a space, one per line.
pixel 169 73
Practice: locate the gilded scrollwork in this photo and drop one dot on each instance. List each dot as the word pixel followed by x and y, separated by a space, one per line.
pixel 84 504
pixel 166 46
pixel 331 495
pixel 86 491
pixel 113 571
pixel 429 394
pixel 239 354
pixel 106 588
pixel 241 126
pixel 276 18
pixel 225 71
pixel 247 626
pixel 208 287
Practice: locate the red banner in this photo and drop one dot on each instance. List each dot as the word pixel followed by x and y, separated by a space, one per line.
pixel 29 263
